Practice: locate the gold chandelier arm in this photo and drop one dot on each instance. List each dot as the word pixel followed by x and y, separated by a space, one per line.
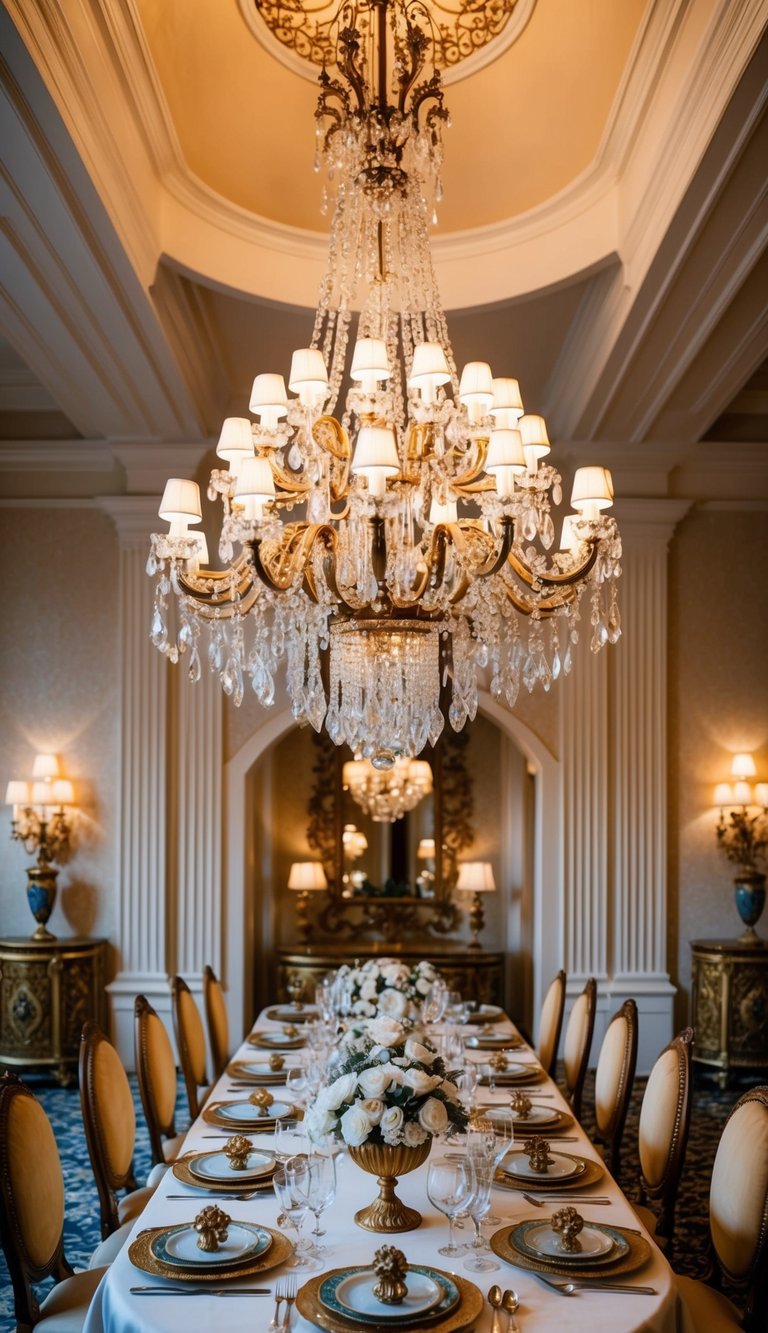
pixel 551 579
pixel 292 554
pixel 546 608
pixel 223 588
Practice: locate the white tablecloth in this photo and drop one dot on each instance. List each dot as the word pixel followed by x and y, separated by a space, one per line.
pixel 115 1310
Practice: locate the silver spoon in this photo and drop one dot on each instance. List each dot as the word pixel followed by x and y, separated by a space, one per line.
pixel 510 1302
pixel 494 1300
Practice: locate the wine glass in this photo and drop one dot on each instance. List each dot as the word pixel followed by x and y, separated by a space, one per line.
pixel 297 1084
pixel 467 1083
pixel 502 1128
pixel 479 1207
pixel 435 1001
pixel 449 1187
pixel 290 1139
pixel 322 1191
pixel 293 1205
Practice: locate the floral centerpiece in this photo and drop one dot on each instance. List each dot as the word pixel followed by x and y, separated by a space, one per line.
pixel 390 1095
pixel 387 986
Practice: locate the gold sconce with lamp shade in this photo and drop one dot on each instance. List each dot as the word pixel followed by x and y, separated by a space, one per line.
pixel 305 878
pixel 742 834
pixel 476 877
pixel 40 824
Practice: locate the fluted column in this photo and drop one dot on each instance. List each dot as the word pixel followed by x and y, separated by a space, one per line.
pixel 141 864
pixel 198 894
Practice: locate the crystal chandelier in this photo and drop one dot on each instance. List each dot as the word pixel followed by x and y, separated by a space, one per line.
pixel 387 794
pixel 393 552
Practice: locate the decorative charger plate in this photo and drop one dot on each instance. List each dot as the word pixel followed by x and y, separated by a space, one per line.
pixel 141 1256
pixel 349 1293
pixel 538 1118
pixel 277 1041
pixel 215 1167
pixel 599 1243
pixel 177 1246
pixel 485 1013
pixel 459 1319
pixel 593 1171
pixel 504 1078
pixel 488 1041
pixel 255 1119
pixel 637 1253
pixel 182 1170
pixel 255 1072
pixel 564 1167
pixel 286 1014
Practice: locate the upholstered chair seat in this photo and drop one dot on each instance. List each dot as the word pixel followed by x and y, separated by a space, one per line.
pixel 190 1043
pixel 216 1021
pixel 738 1221
pixel 665 1117
pixel 156 1071
pixel 614 1077
pixel 550 1024
pixel 578 1044
pixel 32 1218
pixel 107 1250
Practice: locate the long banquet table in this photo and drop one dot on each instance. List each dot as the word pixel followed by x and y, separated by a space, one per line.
pixel 116 1310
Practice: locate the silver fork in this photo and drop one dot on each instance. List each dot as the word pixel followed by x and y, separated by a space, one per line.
pixel 583 1198
pixel 290 1297
pixel 275 1325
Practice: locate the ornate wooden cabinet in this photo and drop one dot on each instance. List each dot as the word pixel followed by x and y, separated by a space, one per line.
pixel 48 988
pixel 477 974
pixel 730 1006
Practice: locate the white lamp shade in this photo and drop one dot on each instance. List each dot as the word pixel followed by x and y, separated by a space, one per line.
pixel 476 384
pixel 370 362
pixel 41 793
pixel 742 793
pixel 476 877
pixel 181 502
pixel 420 774
pixel 443 513
pixel 761 794
pixel 308 372
pixel 535 439
pixel 742 766
pixel 592 487
pixel 430 366
pixel 235 440
pixel 268 398
pixel 354 771
pixel 62 792
pixel 376 451
pixel 506 400
pixel 426 849
pixel 255 481
pixel 307 875
pixel 505 449
pixel 568 539
pixel 46 766
pixel 18 793
pixel 723 794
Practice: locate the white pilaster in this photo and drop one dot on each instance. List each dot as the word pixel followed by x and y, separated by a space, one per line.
pixel 198 879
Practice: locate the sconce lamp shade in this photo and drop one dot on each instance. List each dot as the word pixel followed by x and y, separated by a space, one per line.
pixel 742 793
pixel 505 450
pixel 180 502
pixel 761 793
pixel 507 404
pixel 269 399
pixel 45 767
pixel 426 849
pixel 429 368
pixel 255 481
pixel 535 438
pixel 476 877
pixel 592 487
pixel 370 363
pixel 18 793
pixel 568 538
pixel 476 386
pixel 235 440
pixel 308 372
pixel 723 794
pixel 443 513
pixel 376 448
pixel 62 792
pixel 307 876
pixel 743 766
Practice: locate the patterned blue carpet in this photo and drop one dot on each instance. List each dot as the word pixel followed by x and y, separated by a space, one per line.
pixel 81 1232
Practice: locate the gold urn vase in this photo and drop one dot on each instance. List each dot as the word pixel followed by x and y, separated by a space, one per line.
pixel 388 1213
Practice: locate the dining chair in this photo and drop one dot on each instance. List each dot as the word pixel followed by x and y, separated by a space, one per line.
pixel 156 1072
pixel 32 1219
pixel 109 1121
pixel 550 1024
pixel 216 1020
pixel 665 1118
pixel 578 1044
pixel 190 1044
pixel 614 1077
pixel 738 1224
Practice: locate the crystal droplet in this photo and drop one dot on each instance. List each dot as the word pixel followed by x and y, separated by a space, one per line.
pixel 159 632
pixel 567 660
pixel 151 565
pixel 529 525
pixel 547 531
pixel 557 493
pixel 294 457
pixel 194 666
pixel 556 664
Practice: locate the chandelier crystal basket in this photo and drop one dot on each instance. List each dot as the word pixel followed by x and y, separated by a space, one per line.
pixel 387 794
pixel 389 573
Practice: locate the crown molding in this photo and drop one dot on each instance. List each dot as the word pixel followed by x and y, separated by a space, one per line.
pixel 56 456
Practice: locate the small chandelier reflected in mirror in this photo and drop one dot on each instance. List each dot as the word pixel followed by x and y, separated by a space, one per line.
pixel 387 794
pixel 393 555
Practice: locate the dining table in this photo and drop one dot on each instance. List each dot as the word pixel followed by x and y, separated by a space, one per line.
pixel 116 1308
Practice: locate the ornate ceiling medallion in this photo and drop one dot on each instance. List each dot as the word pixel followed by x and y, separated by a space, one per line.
pixel 466 34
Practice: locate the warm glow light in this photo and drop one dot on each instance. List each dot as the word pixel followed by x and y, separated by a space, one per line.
pixel 45 767
pixel 307 876
pixel 476 877
pixel 723 794
pixel 743 766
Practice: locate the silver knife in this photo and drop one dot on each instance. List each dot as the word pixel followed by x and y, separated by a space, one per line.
pixel 200 1291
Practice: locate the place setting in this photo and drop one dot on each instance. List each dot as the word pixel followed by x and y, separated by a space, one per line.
pixel 262 1073
pixel 290 1014
pixel 238 1168
pixel 484 1013
pixel 568 1245
pixel 212 1247
pixel 502 1072
pixel 258 1113
pixel 534 1166
pixel 528 1116
pixel 287 1038
pixel 390 1294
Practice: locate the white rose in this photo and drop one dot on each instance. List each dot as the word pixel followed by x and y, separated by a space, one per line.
pixel 393 1003
pixel 341 1090
pixel 391 1120
pixel 374 1109
pixel 423 985
pixel 374 1081
pixel 450 1089
pixel 413 1134
pixel 385 1031
pixel 416 1051
pixel 319 1123
pixel 368 990
pixel 433 1116
pixel 420 1082
pixel 394 1074
pixel 355 1125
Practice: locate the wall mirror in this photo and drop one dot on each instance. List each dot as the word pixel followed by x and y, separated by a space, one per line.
pixel 387 874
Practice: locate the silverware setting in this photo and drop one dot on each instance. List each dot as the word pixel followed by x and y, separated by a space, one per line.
pixel 285 1291
pixel 193 1198
pixel 573 1288
pixel 572 1198
pixel 200 1291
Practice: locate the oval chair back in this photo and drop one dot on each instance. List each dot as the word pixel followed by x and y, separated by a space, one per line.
pixel 109 1121
pixel 550 1023
pixel 665 1118
pixel 156 1071
pixel 614 1078
pixel 738 1203
pixel 578 1044
pixel 216 1021
pixel 190 1042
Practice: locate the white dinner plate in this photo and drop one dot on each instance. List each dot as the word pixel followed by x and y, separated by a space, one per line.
pixel 254 1071
pixel 562 1168
pixel 277 1039
pixel 285 1014
pixel 538 1115
pixel 486 1013
pixel 178 1245
pixel 243 1112
pixel 355 1294
pixel 216 1166
pixel 598 1243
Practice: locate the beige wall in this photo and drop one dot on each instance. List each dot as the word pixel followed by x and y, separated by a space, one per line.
pixel 59 693
pixel 718 705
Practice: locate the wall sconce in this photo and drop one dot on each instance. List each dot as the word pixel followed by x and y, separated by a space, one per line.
pixel 742 834
pixel 40 825
pixel 425 853
pixel 476 877
pixel 305 877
